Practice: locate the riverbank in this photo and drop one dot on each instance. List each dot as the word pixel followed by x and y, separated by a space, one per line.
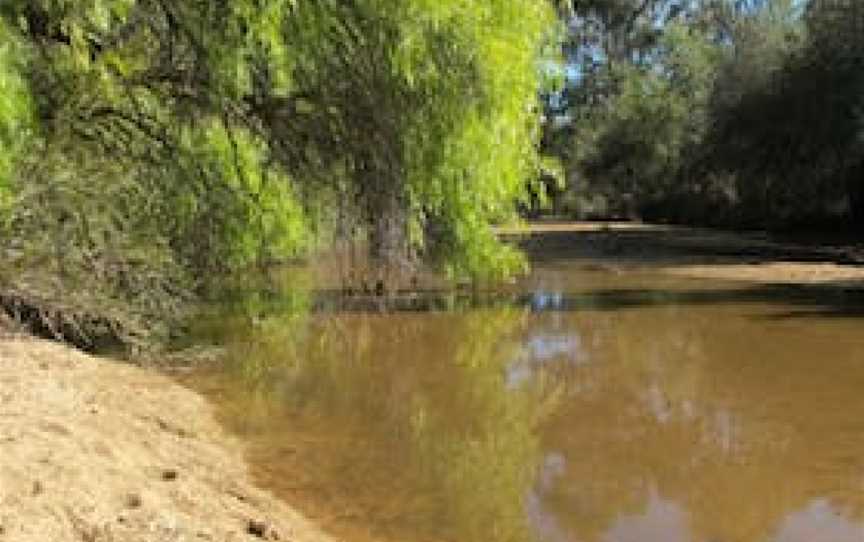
pixel 693 252
pixel 97 451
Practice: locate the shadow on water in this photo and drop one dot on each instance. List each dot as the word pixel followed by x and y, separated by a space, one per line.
pixel 805 301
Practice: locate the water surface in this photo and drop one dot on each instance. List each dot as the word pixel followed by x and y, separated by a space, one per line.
pixel 580 406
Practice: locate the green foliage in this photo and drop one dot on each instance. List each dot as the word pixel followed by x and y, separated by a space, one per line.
pixel 16 108
pixel 250 130
pixel 85 253
pixel 435 135
pixel 630 146
pixel 487 137
pixel 715 113
pixel 441 122
pixel 788 140
pixel 260 218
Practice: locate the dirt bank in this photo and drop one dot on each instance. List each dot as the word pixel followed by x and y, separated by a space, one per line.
pixel 692 252
pixel 96 451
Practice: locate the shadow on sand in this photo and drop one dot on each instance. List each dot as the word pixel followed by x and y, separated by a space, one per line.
pixel 668 245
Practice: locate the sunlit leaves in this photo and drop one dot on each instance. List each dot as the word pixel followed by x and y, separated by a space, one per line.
pixel 241 118
pixel 266 222
pixel 16 107
pixel 439 98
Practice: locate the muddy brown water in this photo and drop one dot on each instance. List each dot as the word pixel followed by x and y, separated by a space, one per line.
pixel 585 405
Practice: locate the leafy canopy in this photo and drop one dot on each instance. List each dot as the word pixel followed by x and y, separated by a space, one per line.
pixel 235 133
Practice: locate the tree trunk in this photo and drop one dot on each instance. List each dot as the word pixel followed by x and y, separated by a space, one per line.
pixel 388 228
pixel 855 193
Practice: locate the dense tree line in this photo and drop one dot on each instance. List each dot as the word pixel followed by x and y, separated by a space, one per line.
pixel 720 112
pixel 148 145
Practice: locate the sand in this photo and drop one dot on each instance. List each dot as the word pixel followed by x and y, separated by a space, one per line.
pixel 93 450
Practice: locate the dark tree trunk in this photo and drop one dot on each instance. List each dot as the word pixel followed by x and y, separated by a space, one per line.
pixel 388 227
pixel 855 193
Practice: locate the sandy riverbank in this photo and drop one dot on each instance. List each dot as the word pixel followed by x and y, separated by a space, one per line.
pixel 692 252
pixel 97 451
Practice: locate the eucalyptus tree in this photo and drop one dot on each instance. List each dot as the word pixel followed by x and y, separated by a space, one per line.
pixel 836 31
pixel 640 79
pixel 785 137
pixel 761 130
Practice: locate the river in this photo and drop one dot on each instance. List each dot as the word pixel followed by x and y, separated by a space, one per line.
pixel 585 404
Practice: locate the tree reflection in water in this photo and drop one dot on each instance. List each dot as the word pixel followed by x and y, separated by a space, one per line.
pixel 656 422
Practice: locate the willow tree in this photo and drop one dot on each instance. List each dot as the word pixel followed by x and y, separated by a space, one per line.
pixel 420 115
pixel 205 136
pixel 141 173
pixel 422 112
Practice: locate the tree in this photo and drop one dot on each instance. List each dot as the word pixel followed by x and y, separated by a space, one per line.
pixel 717 112
pixel 237 133
pixel 787 139
pixel 636 119
pixel 427 109
pixel 16 108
